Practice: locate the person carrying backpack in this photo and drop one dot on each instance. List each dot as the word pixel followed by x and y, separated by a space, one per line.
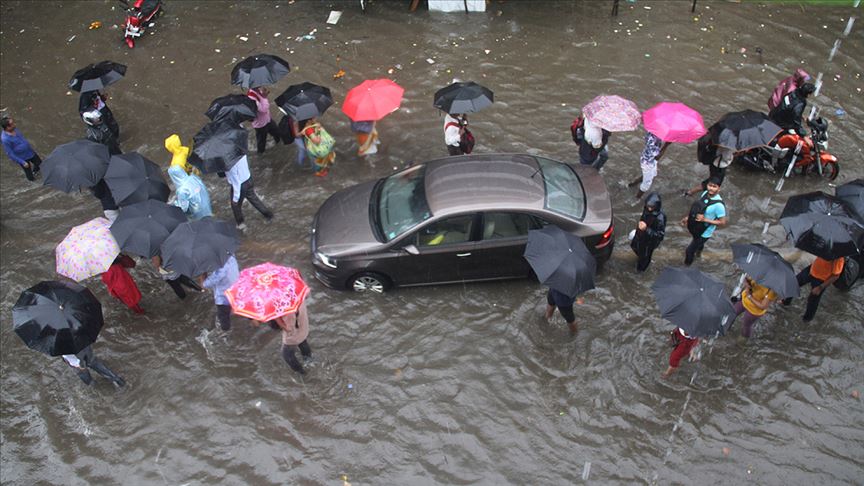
pixel 706 214
pixel 592 142
pixel 716 158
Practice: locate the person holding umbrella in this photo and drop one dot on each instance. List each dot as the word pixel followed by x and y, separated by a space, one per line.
pixel 365 104
pixel 454 127
pixel 89 80
pixel 367 137
pixel 457 100
pixel 240 180
pixel 603 115
pixel 219 281
pixel 121 285
pixel 63 319
pixel 765 270
pixel 18 149
pixel 262 123
pixel 109 207
pixel 95 100
pixel 99 132
pixel 789 114
pixel 696 304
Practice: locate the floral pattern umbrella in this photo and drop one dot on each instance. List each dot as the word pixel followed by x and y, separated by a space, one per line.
pixel 267 291
pixel 613 113
pixel 88 250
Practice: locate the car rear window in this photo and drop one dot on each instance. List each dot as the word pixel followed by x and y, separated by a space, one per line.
pixel 402 204
pixel 564 191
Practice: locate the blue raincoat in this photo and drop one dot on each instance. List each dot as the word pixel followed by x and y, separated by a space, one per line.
pixel 191 194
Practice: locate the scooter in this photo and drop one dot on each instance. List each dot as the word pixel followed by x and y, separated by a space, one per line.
pixel 790 152
pixel 138 17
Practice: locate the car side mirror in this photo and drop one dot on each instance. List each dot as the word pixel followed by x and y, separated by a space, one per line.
pixel 411 250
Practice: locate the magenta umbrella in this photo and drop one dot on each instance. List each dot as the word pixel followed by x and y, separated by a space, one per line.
pixel 613 113
pixel 674 122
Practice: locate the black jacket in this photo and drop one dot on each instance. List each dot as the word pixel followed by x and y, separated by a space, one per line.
pixel 646 241
pixel 789 112
pixel 102 134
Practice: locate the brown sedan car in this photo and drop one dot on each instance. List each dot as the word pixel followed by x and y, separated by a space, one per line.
pixel 457 219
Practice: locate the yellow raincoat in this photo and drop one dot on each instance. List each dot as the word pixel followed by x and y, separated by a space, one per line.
pixel 173 145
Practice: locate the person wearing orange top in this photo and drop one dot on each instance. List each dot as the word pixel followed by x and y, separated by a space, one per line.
pixel 820 274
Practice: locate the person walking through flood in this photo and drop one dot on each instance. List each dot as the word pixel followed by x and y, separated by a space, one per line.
pixel 716 158
pixel 649 232
pixel 291 131
pixel 789 114
pixel 83 360
pixel 189 189
pixel 651 154
pixel 754 302
pixel 320 145
pixel 240 180
pixel 787 86
pixel 820 275
pixel 95 100
pixel 219 281
pixel 175 279
pixel 683 346
pixel 121 285
pixel 109 207
pixel 18 148
pixel 98 131
pixel 367 137
pixel 564 304
pixel 295 333
pixel 453 128
pixel 592 141
pixel 262 123
pixel 706 214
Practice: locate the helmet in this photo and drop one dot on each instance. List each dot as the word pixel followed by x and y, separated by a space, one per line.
pixel 92 117
pixel 819 124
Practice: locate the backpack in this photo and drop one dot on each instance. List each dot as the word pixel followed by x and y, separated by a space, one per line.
pixel 696 228
pixel 706 151
pixel 577 130
pixel 324 147
pixel 466 144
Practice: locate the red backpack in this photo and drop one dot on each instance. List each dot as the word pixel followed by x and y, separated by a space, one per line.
pixel 577 130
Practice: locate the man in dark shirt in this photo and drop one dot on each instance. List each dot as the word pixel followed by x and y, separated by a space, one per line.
pixel 790 112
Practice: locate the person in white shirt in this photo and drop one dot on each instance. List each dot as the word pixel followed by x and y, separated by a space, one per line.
pixel 453 126
pixel 240 180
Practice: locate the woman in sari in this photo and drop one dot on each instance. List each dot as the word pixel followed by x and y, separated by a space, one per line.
pixel 367 137
pixel 316 140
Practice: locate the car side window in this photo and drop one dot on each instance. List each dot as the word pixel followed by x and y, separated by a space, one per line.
pixel 506 225
pixel 447 231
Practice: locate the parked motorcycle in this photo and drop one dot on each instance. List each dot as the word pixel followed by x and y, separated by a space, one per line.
pixel 792 153
pixel 138 17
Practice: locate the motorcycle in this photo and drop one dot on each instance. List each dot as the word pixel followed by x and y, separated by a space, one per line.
pixel 138 17
pixel 791 152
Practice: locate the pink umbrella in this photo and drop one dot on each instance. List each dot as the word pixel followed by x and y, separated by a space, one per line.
pixel 612 113
pixel 674 122
pixel 372 100
pixel 89 249
pixel 267 291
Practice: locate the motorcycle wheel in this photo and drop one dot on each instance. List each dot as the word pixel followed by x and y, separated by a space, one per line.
pixel 830 170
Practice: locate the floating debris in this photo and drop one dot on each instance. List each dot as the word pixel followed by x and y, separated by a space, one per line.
pixel 94 25
pixel 334 17
pixel 243 38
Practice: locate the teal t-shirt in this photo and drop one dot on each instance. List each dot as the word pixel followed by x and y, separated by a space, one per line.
pixel 714 211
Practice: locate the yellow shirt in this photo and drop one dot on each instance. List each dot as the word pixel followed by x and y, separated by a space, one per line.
pixel 758 293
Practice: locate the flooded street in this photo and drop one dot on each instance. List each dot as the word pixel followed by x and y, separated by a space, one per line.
pixel 459 384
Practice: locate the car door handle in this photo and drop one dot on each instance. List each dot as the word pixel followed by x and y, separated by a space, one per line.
pixel 463 254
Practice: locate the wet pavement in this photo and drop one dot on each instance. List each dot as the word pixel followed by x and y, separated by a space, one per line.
pixel 460 384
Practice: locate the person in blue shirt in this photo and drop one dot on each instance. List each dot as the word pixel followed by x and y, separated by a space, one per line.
pixel 220 281
pixel 18 149
pixel 705 216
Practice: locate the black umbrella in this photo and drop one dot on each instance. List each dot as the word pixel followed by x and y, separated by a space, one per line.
pixel 305 101
pixel 766 267
pixel 75 164
pixel 693 301
pixel 852 193
pixel 141 228
pixel 96 76
pixel 133 179
pixel 199 246
pixel 259 70
pixel 560 260
pixel 235 108
pixel 823 225
pixel 743 130
pixel 463 97
pixel 57 317
pixel 218 146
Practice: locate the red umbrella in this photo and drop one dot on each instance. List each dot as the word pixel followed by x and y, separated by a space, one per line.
pixel 267 291
pixel 372 100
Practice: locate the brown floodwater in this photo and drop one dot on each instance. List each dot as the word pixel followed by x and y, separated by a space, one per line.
pixel 458 384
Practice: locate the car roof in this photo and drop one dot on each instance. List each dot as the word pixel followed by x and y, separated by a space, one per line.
pixel 484 182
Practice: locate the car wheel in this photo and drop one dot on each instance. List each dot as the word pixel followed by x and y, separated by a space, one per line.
pixel 369 282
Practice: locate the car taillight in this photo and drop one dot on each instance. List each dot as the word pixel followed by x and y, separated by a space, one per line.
pixel 606 237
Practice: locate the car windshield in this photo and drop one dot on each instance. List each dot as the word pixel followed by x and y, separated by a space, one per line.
pixel 564 192
pixel 402 204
